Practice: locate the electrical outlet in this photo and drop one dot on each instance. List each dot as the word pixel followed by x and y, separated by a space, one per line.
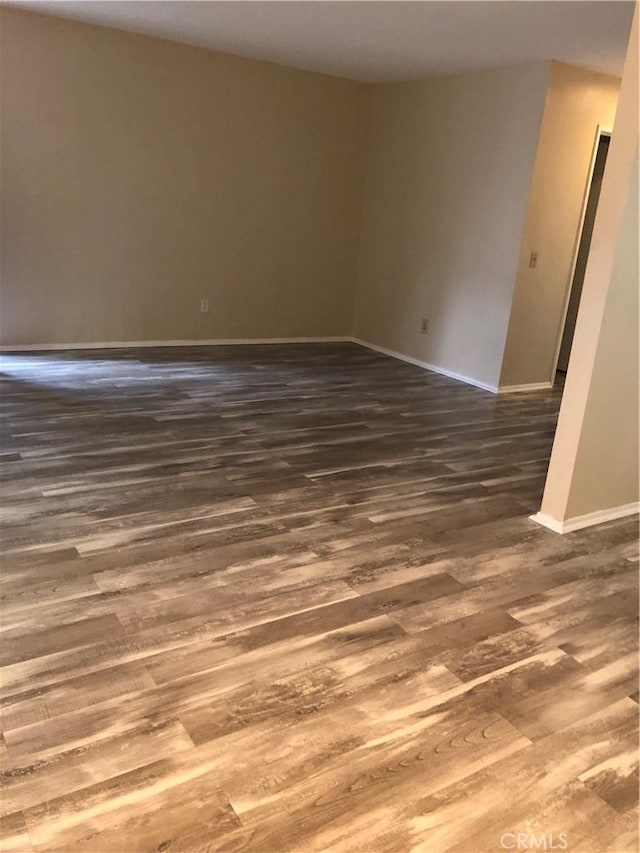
pixel 204 306
pixel 533 260
pixel 424 326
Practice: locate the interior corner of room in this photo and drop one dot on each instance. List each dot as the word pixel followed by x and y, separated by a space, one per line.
pixel 155 192
pixel 319 364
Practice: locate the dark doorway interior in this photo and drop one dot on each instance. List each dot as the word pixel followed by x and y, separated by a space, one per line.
pixel 583 254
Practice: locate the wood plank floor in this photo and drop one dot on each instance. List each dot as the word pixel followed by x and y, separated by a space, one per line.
pixel 288 598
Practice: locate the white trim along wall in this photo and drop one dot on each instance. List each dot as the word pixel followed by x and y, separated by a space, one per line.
pixel 587 520
pixel 434 368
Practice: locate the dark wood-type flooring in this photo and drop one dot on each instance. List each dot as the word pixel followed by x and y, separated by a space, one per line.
pixel 288 598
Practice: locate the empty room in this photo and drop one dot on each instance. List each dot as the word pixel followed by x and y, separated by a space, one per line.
pixel 319 461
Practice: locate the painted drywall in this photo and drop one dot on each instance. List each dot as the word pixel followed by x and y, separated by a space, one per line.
pixel 594 461
pixel 448 173
pixel 139 176
pixel 577 102
pixel 606 467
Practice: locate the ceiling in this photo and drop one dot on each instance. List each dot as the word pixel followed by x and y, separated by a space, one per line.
pixel 380 41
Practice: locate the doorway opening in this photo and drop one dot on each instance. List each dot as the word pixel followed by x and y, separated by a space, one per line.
pixel 563 349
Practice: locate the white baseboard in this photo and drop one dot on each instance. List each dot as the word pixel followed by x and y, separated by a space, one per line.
pixel 434 368
pixel 548 521
pixel 531 386
pixel 588 520
pixel 213 342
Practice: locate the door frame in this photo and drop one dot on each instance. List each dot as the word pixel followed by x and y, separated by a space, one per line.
pixel 601 130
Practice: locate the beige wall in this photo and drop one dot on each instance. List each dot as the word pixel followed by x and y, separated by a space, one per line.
pixel 606 468
pixel 139 176
pixel 450 163
pixel 594 462
pixel 577 102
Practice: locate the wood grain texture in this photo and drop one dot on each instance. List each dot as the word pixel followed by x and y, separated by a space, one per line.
pixel 288 598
